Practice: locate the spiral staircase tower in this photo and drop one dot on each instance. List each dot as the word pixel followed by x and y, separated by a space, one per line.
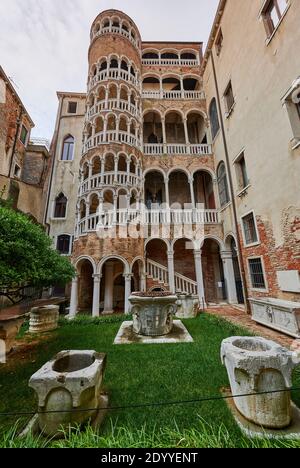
pixel 110 189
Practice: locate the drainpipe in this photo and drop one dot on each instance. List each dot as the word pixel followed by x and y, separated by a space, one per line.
pixel 15 142
pixel 232 194
pixel 54 149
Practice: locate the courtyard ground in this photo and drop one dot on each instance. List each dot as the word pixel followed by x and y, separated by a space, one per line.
pixel 135 375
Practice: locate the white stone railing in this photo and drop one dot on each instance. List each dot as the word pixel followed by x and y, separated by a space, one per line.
pixel 185 285
pixel 114 104
pixel 176 149
pixel 111 137
pixel 110 218
pixel 109 179
pixel 173 95
pixel 116 30
pixel 160 273
pixel 114 74
pixel 171 62
pixel 157 272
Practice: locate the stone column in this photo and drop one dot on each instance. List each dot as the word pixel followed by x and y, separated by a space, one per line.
pixel 116 160
pixel 191 181
pixel 90 175
pixel 96 295
pixel 105 129
pixel 106 98
pixel 74 297
pixel 182 87
pixel 109 288
pixel 229 276
pixel 102 169
pixel 171 271
pixel 87 214
pixel 163 124
pixel 199 276
pixel 127 292
pixel 186 132
pixel 143 285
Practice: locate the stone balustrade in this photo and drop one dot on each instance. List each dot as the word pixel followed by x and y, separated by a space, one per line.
pixel 173 95
pixel 176 149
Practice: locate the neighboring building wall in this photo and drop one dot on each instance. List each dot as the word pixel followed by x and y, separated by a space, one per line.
pixel 65 174
pixel 261 72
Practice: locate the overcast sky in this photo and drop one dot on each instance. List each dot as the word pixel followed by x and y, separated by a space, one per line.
pixel 44 43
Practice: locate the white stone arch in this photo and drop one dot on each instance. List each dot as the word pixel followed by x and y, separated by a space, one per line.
pixel 171 75
pixel 173 242
pixel 92 194
pixel 179 169
pixel 138 259
pixel 189 51
pixel 154 169
pixel 226 239
pixel 219 241
pixel 108 189
pixel 169 50
pixel 154 111
pixel 151 75
pixel 208 170
pixel 151 50
pixel 113 257
pixel 124 189
pixel 165 241
pixel 197 111
pixel 174 110
pixel 85 258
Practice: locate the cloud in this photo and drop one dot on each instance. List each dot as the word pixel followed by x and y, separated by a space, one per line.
pixel 44 43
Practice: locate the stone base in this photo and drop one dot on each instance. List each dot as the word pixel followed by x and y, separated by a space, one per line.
pixel 179 334
pixel 33 428
pixel 251 430
pixel 8 332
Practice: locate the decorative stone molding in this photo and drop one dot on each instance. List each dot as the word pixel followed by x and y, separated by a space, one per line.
pixel 71 381
pixel 43 319
pixel 256 365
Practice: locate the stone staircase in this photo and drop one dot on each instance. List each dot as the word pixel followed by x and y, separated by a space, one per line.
pixel 159 273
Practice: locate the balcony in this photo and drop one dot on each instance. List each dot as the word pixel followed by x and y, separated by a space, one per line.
pixel 107 137
pixel 173 150
pixel 109 179
pixel 147 218
pixel 171 62
pixel 173 95
pixel 114 105
pixel 114 74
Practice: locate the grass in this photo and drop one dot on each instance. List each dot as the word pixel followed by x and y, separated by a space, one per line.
pixel 138 374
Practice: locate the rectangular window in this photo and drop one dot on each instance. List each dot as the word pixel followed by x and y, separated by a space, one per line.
pixel 291 101
pixel 219 42
pixel 241 172
pixel 229 98
pixel 72 107
pixel 23 135
pixel 63 244
pixel 272 14
pixel 257 273
pixel 250 232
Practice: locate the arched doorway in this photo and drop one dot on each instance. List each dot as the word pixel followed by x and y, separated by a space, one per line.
pixel 231 245
pixel 85 271
pixel 112 288
pixel 157 264
pixel 213 272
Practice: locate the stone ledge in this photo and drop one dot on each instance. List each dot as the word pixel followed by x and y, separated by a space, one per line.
pixel 126 335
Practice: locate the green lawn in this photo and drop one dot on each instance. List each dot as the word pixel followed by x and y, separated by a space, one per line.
pixel 138 374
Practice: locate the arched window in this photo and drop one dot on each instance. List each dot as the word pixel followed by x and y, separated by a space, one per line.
pixel 60 209
pixel 223 185
pixel 68 149
pixel 63 245
pixel 214 118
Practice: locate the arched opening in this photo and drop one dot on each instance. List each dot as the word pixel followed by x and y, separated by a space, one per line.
pixel 114 64
pixel 68 148
pixel 223 184
pixel 196 129
pixel 101 94
pixel 103 66
pixel 111 123
pixel 184 262
pixel 175 128
pixel 132 165
pixel 60 208
pixel 85 171
pixel 188 56
pixel 171 84
pixel 125 27
pixel 112 297
pixel 96 166
pixel 85 286
pixel 213 272
pixel 113 92
pixel 122 163
pixel 82 209
pixel 153 128
pixel 123 124
pixel 151 83
pixel 133 98
pixel 124 66
pixel 99 125
pixel 133 199
pixel 151 56
pixel 204 190
pixel 155 191
pixel 109 163
pixel 137 274
pixel 191 84
pixel 132 127
pixel 116 23
pixel 179 190
pixel 231 246
pixel 157 263
pixel 169 56
pixel 132 71
pixel 214 118
pixel 122 200
pixel 94 204
pixel 124 94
